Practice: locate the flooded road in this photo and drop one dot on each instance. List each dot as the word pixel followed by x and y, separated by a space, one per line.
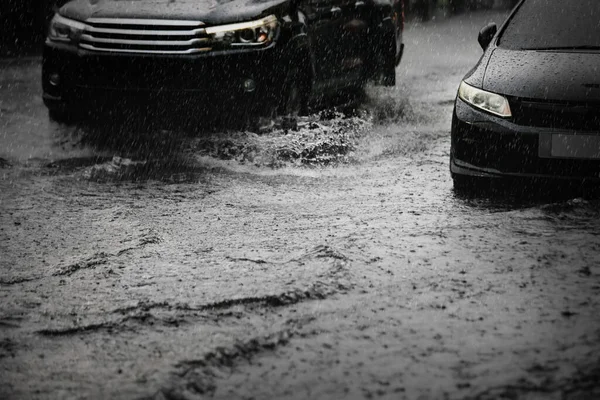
pixel 147 261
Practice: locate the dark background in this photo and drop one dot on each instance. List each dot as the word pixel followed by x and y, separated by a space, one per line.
pixel 23 24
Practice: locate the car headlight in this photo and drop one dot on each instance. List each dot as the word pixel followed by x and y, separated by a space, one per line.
pixel 65 30
pixel 253 33
pixel 487 101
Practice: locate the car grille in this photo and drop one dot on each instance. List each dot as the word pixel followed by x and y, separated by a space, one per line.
pixel 575 116
pixel 144 36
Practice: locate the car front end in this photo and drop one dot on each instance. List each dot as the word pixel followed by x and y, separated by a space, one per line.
pixel 530 108
pixel 96 61
pixel 521 137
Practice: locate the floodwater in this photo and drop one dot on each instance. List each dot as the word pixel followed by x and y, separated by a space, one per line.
pixel 149 260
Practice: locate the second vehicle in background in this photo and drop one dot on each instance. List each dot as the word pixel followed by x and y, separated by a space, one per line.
pixel 531 106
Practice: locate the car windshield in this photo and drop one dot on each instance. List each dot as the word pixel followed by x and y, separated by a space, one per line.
pixel 554 25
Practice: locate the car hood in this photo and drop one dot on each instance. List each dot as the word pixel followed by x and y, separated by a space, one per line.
pixel 211 12
pixel 564 76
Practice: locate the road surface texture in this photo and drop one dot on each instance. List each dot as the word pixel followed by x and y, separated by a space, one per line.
pixel 149 261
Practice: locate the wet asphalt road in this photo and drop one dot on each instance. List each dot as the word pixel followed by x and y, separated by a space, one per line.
pixel 147 261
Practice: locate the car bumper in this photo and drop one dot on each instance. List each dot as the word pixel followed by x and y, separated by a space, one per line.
pixel 483 145
pixel 241 80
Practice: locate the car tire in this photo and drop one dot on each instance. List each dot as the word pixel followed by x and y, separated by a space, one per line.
pixel 291 102
pixel 294 99
pixel 385 70
pixel 261 123
pixel 389 76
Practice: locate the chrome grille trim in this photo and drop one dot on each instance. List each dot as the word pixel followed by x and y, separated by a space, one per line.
pixel 131 21
pixel 167 43
pixel 92 29
pixel 190 51
pixel 145 36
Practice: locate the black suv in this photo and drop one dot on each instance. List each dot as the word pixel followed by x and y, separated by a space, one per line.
pixel 248 57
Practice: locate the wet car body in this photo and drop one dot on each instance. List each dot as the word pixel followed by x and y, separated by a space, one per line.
pixel 192 52
pixel 549 126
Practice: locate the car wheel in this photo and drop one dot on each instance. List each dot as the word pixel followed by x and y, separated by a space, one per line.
pixel 294 100
pixel 385 70
pixel 261 123
pixel 388 75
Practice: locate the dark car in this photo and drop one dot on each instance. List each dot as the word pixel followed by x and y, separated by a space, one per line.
pixel 237 58
pixel 531 106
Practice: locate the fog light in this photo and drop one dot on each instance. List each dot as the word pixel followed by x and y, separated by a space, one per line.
pixel 54 79
pixel 249 85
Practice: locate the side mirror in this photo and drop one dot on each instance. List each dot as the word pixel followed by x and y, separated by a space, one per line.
pixel 486 34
